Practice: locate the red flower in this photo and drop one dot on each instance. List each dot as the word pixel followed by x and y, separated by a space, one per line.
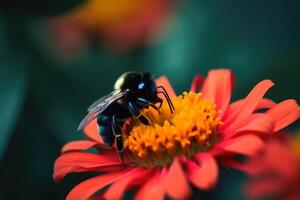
pixel 121 24
pixel 179 149
pixel 275 171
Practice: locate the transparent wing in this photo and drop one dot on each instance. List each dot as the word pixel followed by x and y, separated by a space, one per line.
pixel 105 102
pixel 94 104
pixel 99 106
pixel 88 119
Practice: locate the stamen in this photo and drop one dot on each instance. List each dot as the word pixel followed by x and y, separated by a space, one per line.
pixel 192 128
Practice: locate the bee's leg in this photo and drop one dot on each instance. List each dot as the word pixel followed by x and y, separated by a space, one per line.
pixel 135 111
pixel 160 101
pixel 166 95
pixel 117 131
pixel 145 102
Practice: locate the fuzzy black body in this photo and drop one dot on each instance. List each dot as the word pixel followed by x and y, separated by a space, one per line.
pixel 105 118
pixel 120 109
pixel 132 92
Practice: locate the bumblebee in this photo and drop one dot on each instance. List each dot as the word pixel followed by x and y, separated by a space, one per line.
pixel 133 91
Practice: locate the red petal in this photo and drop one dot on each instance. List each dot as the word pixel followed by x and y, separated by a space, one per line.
pixel 117 189
pixel 257 189
pixel 285 113
pixel 91 131
pixel 78 145
pixel 234 107
pixel 262 123
pixel 217 87
pixel 152 189
pixel 265 103
pixel 246 145
pixel 163 81
pixel 276 158
pixel 176 184
pixel 205 174
pixel 249 104
pixel 82 162
pixel 197 83
pixel 88 188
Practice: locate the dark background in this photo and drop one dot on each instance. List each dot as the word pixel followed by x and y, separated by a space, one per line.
pixel 43 98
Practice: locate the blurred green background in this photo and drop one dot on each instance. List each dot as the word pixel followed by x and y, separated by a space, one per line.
pixel 43 97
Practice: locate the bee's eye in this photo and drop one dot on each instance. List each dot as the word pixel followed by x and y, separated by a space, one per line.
pixel 141 86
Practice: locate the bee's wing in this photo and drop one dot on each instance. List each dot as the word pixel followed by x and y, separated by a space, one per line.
pixel 102 103
pixel 98 101
pixel 99 106
pixel 88 119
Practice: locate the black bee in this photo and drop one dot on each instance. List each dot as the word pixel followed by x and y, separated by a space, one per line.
pixel 132 92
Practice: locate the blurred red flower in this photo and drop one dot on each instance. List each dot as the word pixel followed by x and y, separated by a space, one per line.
pixel 121 24
pixel 275 171
pixel 179 149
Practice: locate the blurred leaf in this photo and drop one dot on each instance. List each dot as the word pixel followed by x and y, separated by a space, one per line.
pixel 12 89
pixel 13 77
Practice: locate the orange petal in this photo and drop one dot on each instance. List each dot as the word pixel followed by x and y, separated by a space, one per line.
pixel 197 83
pixel 91 131
pixel 164 81
pixel 83 161
pixel 88 188
pixel 152 189
pixel 117 189
pixel 246 145
pixel 217 87
pixel 249 104
pixel 78 145
pixel 205 174
pixel 285 113
pixel 176 184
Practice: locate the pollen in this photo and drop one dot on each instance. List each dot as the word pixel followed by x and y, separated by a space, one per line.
pixel 190 129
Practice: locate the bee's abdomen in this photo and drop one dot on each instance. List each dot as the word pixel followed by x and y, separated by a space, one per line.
pixel 104 126
pixel 106 135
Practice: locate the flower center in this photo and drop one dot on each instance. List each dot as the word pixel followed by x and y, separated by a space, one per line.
pixel 192 128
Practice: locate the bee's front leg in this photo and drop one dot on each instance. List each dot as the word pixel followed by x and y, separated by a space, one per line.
pixel 160 101
pixel 144 102
pixel 135 111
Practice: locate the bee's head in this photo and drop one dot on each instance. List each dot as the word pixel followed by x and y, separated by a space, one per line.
pixel 128 80
pixel 147 86
pixel 141 85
